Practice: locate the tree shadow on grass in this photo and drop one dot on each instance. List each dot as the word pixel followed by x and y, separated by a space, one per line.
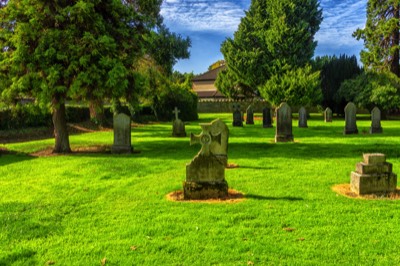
pixel 25 256
pixel 10 157
pixel 260 197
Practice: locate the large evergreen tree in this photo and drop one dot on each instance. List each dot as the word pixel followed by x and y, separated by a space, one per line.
pixel 381 36
pixel 54 50
pixel 275 39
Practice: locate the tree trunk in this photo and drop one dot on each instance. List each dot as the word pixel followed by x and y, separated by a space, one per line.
pixel 97 112
pixel 394 67
pixel 60 126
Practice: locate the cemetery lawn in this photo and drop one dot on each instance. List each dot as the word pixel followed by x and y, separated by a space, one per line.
pixel 103 209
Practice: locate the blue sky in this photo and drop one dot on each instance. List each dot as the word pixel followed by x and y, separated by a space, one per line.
pixel 209 22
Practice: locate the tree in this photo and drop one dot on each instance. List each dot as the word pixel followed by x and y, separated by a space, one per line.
pixel 54 50
pixel 334 70
pixel 381 36
pixel 273 39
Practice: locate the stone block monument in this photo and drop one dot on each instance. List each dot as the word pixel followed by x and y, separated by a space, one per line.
pixel 122 134
pixel 220 149
pixel 267 119
pixel 350 112
pixel 303 117
pixel 373 176
pixel 283 123
pixel 376 127
pixel 237 116
pixel 205 174
pixel 178 127
pixel 328 115
pixel 249 115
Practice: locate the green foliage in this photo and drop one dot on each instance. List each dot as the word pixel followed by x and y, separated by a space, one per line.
pixel 334 70
pixel 24 115
pixel 381 36
pixel 371 89
pixel 216 64
pixel 296 87
pixel 273 37
pixel 80 209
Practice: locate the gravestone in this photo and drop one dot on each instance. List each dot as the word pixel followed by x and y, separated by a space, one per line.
pixel 328 114
pixel 267 119
pixel 302 117
pixel 178 127
pixel 249 115
pixel 205 174
pixel 373 175
pixel 350 112
pixel 237 116
pixel 283 123
pixel 375 121
pixel 220 150
pixel 122 134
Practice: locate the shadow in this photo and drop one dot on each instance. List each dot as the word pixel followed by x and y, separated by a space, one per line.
pixel 253 167
pixel 24 256
pixel 259 197
pixel 10 157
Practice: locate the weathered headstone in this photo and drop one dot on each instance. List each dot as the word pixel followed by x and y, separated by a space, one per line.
pixel 178 127
pixel 220 150
pixel 328 114
pixel 250 115
pixel 237 116
pixel 205 174
pixel 350 112
pixel 375 121
pixel 302 117
pixel 122 134
pixel 283 123
pixel 267 119
pixel 373 176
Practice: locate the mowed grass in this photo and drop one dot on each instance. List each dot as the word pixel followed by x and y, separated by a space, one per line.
pixel 93 209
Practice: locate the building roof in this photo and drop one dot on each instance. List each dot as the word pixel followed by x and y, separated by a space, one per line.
pixel 209 75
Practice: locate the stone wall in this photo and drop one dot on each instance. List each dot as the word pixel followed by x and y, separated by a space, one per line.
pixel 225 105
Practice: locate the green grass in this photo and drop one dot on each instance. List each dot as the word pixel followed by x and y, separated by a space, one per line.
pixel 79 209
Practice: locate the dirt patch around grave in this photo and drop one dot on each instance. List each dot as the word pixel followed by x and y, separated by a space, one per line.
pixel 234 196
pixel 344 190
pixel 95 149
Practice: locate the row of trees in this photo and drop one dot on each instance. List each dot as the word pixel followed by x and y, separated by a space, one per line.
pixel 271 56
pixel 89 50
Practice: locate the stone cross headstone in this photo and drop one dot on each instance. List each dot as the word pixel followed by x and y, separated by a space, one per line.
pixel 220 150
pixel 302 117
pixel 205 174
pixel 350 112
pixel 373 176
pixel 250 115
pixel 122 134
pixel 178 127
pixel 237 116
pixel 267 119
pixel 328 114
pixel 283 123
pixel 375 121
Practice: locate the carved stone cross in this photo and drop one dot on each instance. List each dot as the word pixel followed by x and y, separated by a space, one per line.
pixel 205 138
pixel 176 112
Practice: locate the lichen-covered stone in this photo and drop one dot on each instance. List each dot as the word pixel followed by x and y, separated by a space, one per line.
pixel 374 183
pixel 178 128
pixel 374 158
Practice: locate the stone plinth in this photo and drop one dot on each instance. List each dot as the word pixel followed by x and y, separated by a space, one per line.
pixel 373 175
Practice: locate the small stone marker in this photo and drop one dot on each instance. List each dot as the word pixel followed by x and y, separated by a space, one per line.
pixel 249 115
pixel 237 116
pixel 283 123
pixel 220 150
pixel 328 114
pixel 302 117
pixel 375 121
pixel 350 112
pixel 122 134
pixel 178 127
pixel 374 175
pixel 267 119
pixel 205 174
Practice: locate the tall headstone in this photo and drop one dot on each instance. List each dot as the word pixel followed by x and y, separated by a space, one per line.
pixel 303 117
pixel 250 115
pixel 205 174
pixel 328 114
pixel 375 121
pixel 350 112
pixel 237 116
pixel 373 176
pixel 267 119
pixel 283 123
pixel 220 149
pixel 122 134
pixel 178 127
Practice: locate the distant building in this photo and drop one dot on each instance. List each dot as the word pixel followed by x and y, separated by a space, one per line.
pixel 204 86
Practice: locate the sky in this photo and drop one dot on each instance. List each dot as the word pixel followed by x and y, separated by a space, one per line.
pixel 209 22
